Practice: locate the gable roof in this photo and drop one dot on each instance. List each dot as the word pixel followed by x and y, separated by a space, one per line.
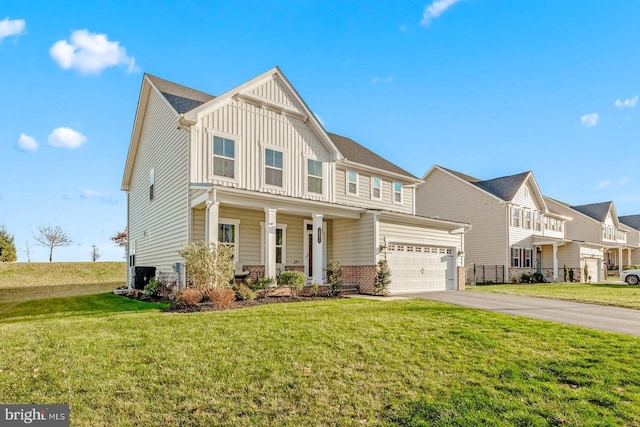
pixel 632 221
pixel 597 211
pixel 354 152
pixel 181 98
pixel 504 187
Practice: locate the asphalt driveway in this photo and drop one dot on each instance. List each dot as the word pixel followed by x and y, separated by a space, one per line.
pixel 604 318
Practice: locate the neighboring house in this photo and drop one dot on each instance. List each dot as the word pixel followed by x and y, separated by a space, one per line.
pixel 514 231
pixel 598 239
pixel 253 168
pixel 631 223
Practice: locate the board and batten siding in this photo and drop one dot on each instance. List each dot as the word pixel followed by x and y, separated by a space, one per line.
pixel 353 240
pixel 253 129
pixel 364 199
pixel 159 228
pixel 447 197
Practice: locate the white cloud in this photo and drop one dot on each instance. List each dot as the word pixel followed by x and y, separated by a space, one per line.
pixel 13 27
pixel 627 103
pixel 590 120
pixel 91 53
pixel 65 137
pixel 27 143
pixel 92 194
pixel 623 181
pixel 381 79
pixel 403 28
pixel 435 9
pixel 603 184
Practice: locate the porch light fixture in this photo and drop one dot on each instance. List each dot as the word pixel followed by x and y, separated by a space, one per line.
pixel 319 234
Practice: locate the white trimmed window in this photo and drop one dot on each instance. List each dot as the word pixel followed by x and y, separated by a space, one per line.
pixel 515 217
pixel 397 192
pixel 515 257
pixel 228 234
pixel 527 220
pixel 352 182
pixel 224 157
pixel 281 243
pixel 314 176
pixel 273 167
pixel 538 223
pixel 528 258
pixel 376 188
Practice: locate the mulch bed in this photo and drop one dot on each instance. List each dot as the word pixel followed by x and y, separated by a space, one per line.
pixel 207 306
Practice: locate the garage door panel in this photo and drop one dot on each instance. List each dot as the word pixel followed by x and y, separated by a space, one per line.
pixel 419 268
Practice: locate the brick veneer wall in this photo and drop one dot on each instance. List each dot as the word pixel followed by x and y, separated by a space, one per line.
pixel 362 275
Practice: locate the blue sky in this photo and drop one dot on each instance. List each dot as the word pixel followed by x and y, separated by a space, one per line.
pixel 486 87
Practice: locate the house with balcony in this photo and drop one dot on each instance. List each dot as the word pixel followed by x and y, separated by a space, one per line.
pixel 254 169
pixel 631 253
pixel 513 230
pixel 599 239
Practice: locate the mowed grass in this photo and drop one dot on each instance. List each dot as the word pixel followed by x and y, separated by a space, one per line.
pixel 605 294
pixel 343 362
pixel 39 274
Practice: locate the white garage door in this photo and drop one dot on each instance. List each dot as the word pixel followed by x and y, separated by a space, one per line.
pixel 592 266
pixel 417 268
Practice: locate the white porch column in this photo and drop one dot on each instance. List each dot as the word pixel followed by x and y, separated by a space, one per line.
pixel 211 217
pixel 628 256
pixel 270 242
pixel 620 260
pixel 318 255
pixel 555 261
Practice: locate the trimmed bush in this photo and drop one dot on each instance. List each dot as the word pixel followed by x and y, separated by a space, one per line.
pixel 243 292
pixel 294 280
pixel 189 296
pixel 334 275
pixel 208 266
pixel 221 297
pixel 383 278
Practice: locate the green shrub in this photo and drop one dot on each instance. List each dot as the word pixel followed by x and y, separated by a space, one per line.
pixel 151 288
pixel 383 278
pixel 334 276
pixel 571 274
pixel 537 278
pixel 294 280
pixel 243 292
pixel 264 285
pixel 632 267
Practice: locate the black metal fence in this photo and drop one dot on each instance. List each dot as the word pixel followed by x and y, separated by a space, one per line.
pixel 486 274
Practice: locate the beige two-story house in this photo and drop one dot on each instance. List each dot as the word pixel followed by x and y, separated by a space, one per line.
pixel 254 169
pixel 514 231
pixel 631 254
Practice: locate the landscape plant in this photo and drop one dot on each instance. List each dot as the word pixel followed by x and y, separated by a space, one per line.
pixel 220 297
pixel 294 280
pixel 383 278
pixel 7 246
pixel 243 292
pixel 334 276
pixel 208 266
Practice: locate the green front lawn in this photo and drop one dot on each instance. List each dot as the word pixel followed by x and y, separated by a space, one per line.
pixel 334 362
pixel 606 294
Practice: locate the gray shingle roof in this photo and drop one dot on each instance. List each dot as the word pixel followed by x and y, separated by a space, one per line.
pixel 597 211
pixel 357 153
pixel 181 98
pixel 504 187
pixel 632 221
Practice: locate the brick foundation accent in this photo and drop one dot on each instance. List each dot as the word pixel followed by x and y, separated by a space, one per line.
pixel 362 275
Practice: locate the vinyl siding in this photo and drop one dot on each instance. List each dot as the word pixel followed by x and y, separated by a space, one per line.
pixel 198 225
pixel 447 197
pixel 579 227
pixel 253 129
pixel 403 233
pixel 354 241
pixel 364 199
pixel 159 227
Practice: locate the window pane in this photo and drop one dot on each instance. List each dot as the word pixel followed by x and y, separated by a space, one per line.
pixel 226 233
pixel 352 188
pixel 218 146
pixel 279 236
pixel 279 255
pixel 315 185
pixel 314 167
pixel 376 193
pixel 229 148
pixel 273 177
pixel 223 167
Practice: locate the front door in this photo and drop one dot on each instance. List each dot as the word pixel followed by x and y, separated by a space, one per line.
pixel 308 246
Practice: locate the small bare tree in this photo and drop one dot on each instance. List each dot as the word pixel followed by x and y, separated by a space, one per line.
pixel 27 250
pixel 51 237
pixel 95 253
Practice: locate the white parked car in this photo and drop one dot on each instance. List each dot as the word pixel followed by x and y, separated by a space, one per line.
pixel 632 277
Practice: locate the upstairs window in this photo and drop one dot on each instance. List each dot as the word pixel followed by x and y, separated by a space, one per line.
pixel 273 167
pixel 538 224
pixel 376 188
pixel 352 182
pixel 515 217
pixel 152 181
pixel 314 176
pixel 397 192
pixel 527 220
pixel 224 157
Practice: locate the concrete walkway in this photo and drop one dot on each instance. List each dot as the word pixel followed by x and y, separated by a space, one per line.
pixel 604 318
